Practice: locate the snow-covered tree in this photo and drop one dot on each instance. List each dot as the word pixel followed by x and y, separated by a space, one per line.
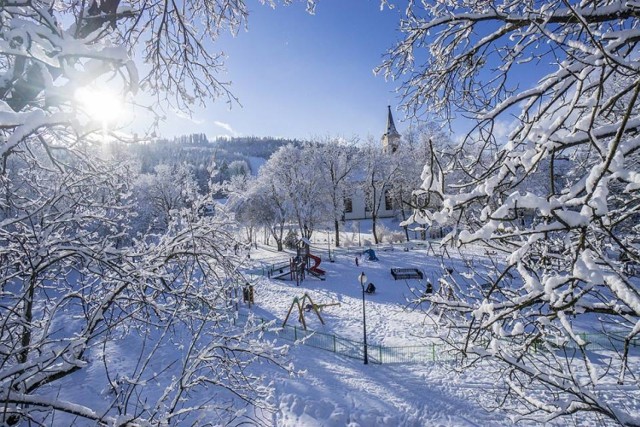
pixel 337 161
pixel 239 167
pixel 162 193
pixel 563 78
pixel 260 211
pixel 414 151
pixel 98 326
pixel 263 203
pixel 295 174
pixel 242 202
pixel 380 172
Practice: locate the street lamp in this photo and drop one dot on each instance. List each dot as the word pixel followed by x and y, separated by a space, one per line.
pixel 362 278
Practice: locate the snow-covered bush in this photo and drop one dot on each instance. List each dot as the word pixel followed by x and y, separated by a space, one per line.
pixel 386 235
pixel 291 240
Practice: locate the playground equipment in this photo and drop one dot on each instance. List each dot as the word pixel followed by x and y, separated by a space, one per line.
pixel 314 270
pixel 371 255
pixel 297 266
pixel 305 255
pixel 293 270
pixel 306 304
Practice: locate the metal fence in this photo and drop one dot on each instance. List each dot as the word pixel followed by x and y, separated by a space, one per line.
pixel 432 352
pixel 600 341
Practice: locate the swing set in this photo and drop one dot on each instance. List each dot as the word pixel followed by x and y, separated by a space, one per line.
pixel 306 304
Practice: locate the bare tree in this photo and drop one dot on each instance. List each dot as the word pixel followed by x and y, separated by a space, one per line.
pixel 563 78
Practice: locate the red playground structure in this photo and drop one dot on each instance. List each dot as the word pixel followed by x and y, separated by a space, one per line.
pixel 300 264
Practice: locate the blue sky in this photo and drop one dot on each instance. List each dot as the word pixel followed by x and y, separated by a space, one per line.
pixel 299 75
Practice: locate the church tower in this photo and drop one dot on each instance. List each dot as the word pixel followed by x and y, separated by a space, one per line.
pixel 391 138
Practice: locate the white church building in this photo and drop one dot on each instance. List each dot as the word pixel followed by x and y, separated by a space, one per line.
pixel 355 206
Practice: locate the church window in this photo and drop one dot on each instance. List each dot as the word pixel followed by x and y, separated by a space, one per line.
pixel 348 205
pixel 388 202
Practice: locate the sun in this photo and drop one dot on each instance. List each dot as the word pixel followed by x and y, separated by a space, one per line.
pixel 101 105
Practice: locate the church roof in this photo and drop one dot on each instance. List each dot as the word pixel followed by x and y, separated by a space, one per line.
pixel 391 127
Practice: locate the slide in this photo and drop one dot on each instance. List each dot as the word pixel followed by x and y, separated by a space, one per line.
pixel 318 272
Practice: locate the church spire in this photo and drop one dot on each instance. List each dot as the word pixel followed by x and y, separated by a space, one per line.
pixel 391 137
pixel 391 127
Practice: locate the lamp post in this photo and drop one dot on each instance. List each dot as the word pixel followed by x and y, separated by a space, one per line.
pixel 362 278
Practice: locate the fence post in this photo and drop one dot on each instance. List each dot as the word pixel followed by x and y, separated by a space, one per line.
pixel 334 343
pixel 295 333
pixel 380 353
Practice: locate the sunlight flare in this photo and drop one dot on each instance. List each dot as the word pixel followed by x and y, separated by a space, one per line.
pixel 101 105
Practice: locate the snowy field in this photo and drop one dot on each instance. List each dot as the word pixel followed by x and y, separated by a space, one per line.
pixel 334 390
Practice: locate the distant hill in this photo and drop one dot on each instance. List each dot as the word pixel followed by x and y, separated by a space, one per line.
pixel 228 154
pixel 253 146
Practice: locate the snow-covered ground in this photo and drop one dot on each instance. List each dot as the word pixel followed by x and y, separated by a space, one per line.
pixel 335 390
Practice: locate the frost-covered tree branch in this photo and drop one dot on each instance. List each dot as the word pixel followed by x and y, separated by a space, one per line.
pixel 557 198
pixel 89 292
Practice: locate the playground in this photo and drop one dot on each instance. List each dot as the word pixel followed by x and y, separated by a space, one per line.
pixel 298 266
pixel 337 390
pixel 325 318
pixel 398 276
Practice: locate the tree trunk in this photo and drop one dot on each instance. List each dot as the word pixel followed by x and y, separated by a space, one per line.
pixel 404 218
pixel 336 225
pixel 276 233
pixel 375 208
pixel 28 317
pixel 374 218
pixel 249 231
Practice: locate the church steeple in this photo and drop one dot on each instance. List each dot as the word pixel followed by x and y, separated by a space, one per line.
pixel 391 137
